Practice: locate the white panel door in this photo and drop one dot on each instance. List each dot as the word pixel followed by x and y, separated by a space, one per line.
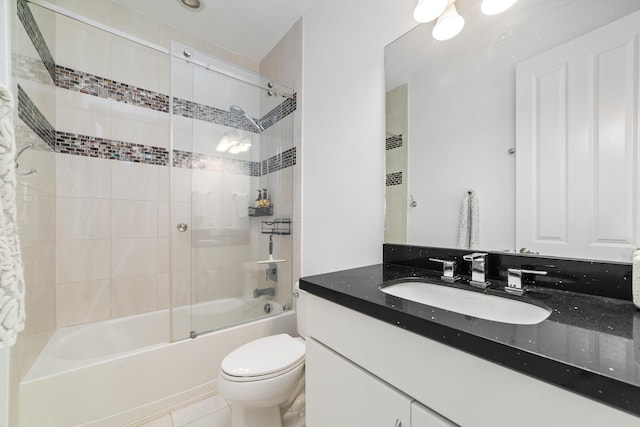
pixel 577 150
pixel 341 394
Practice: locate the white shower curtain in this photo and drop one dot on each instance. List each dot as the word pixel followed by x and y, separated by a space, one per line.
pixel 469 225
pixel 12 307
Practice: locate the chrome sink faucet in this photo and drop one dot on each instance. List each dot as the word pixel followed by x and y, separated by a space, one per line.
pixel 514 280
pixel 448 270
pixel 478 269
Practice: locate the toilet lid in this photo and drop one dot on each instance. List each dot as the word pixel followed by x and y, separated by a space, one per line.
pixel 264 356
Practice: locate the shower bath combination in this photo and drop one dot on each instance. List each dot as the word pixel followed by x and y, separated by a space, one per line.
pixel 238 111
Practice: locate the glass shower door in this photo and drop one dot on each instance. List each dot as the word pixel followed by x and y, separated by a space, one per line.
pixel 222 197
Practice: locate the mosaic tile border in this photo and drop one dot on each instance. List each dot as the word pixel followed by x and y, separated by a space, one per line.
pixel 91 84
pixel 193 110
pixel 209 162
pixel 33 31
pixel 280 161
pixel 394 178
pixel 285 108
pixel 29 113
pixel 91 146
pixel 394 141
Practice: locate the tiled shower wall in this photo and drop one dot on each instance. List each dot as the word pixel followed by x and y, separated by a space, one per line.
pixel 35 199
pixel 96 230
pixel 112 239
pixel 284 63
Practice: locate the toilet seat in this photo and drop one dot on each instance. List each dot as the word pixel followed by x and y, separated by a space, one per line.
pixel 263 358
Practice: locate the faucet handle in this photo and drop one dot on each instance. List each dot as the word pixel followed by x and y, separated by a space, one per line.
pixel 474 256
pixel 448 270
pixel 514 279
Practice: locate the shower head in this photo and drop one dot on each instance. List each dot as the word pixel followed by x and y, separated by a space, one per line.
pixel 237 110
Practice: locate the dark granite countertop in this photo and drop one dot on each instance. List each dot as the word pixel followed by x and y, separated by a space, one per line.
pixel 589 344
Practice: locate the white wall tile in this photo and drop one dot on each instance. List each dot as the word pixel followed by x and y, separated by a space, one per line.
pixel 164 223
pixel 134 181
pixel 163 255
pixel 183 133
pixel 82 302
pixel 95 45
pixel 82 260
pixel 184 416
pixel 134 257
pixel 164 291
pixel 164 185
pixel 138 125
pixel 83 218
pixel 134 219
pixel 140 66
pixel 37 216
pixel 45 165
pixel 133 295
pixel 42 313
pixel 78 176
pixel 83 114
pixel 181 185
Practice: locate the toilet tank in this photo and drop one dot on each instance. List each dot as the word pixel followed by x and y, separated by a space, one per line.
pixel 300 310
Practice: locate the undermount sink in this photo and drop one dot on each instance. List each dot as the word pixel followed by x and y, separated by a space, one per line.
pixel 470 303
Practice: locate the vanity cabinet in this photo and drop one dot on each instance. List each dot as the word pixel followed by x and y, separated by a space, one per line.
pixel 362 371
pixel 340 393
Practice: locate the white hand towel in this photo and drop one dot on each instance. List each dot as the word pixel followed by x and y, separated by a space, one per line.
pixel 469 226
pixel 12 308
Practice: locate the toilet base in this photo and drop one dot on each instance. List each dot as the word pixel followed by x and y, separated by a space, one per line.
pixel 255 417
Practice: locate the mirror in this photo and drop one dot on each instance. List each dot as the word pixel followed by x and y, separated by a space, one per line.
pixel 455 125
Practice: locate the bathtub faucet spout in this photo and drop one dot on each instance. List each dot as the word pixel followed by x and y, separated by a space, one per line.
pixel 266 291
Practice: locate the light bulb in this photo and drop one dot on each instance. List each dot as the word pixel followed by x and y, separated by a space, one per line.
pixel 428 10
pixel 493 7
pixel 449 24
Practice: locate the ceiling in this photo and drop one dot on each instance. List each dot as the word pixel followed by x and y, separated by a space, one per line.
pixel 250 28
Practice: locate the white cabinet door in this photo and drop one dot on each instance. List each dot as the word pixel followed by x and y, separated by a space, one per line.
pixel 421 416
pixel 577 150
pixel 341 394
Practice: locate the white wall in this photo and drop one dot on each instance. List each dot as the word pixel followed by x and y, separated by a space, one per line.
pixel 343 174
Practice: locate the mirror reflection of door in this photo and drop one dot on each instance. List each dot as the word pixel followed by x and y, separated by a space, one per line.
pixel 577 161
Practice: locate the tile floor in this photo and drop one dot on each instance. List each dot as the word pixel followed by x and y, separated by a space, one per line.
pixel 212 412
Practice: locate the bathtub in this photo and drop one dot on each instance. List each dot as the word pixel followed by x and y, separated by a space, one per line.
pixel 115 372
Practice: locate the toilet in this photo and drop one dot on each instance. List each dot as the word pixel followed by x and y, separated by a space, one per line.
pixel 263 377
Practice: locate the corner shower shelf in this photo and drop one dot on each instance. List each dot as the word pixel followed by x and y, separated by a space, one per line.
pixel 261 211
pixel 281 226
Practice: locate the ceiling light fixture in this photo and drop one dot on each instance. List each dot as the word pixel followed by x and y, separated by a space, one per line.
pixel 493 7
pixel 191 4
pixel 449 24
pixel 428 10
